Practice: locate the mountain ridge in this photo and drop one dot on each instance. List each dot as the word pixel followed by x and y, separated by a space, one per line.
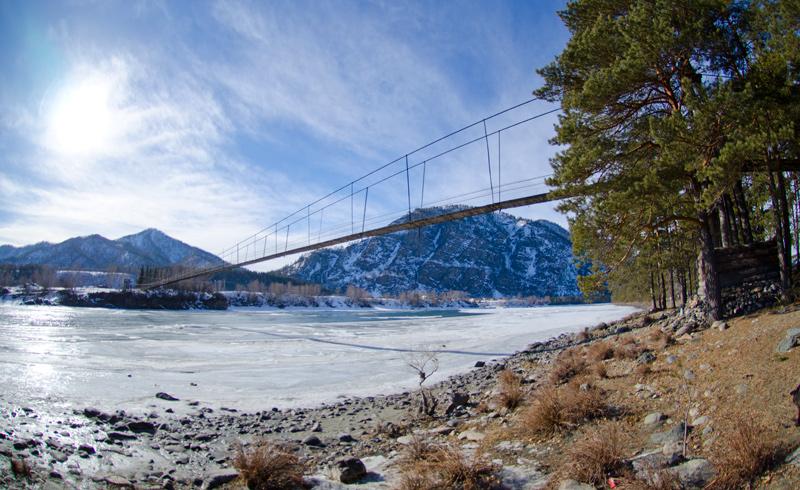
pixel 490 255
pixel 148 248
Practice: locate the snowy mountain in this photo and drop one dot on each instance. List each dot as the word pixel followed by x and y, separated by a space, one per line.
pixel 491 255
pixel 150 248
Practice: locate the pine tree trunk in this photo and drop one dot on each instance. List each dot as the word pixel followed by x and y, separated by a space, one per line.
pixel 653 291
pixel 744 213
pixel 708 277
pixel 779 205
pixel 724 222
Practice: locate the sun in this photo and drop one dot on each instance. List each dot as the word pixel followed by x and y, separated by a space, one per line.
pixel 80 119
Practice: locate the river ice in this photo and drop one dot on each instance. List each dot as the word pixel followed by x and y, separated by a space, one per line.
pixel 253 359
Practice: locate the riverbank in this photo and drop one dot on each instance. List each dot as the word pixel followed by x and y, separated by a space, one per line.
pixel 650 373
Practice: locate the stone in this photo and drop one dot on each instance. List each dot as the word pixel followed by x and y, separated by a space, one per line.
pixel 742 388
pixel 719 325
pixel 349 470
pixel 219 478
pixel 137 426
pixel 457 400
pixel 472 435
pixel 574 485
pixel 406 440
pixel 794 458
pixel 695 473
pixel 646 358
pixel 671 359
pixel 654 418
pixel 312 440
pixel 701 420
pixel 480 364
pixel 675 434
pixel 166 396
pixel 345 437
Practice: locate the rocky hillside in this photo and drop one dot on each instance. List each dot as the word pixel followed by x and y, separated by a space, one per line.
pixel 492 255
pixel 149 248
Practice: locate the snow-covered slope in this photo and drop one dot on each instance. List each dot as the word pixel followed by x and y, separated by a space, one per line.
pixel 149 248
pixel 492 255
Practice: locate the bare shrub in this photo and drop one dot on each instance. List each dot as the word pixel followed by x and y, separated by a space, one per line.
pixel 567 365
pixel 582 336
pixel 424 361
pixel 266 467
pixel 629 350
pixel 745 454
pixel 555 409
pixel 600 351
pixel 445 468
pixel 600 370
pixel 591 459
pixel 643 370
pixel 511 392
pixel 21 469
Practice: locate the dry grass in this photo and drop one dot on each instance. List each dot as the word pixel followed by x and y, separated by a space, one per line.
pixel 629 350
pixel 266 467
pixel 568 364
pixel 600 370
pixel 660 339
pixel 511 393
pixel 600 351
pixel 556 409
pixel 583 335
pixel 21 469
pixel 748 451
pixel 445 468
pixel 593 458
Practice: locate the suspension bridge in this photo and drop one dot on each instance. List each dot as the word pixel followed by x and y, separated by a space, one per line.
pixel 370 205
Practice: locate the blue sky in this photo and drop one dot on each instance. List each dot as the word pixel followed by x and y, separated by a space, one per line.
pixel 211 120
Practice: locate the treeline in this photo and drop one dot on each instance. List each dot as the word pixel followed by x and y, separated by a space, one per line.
pixel 680 133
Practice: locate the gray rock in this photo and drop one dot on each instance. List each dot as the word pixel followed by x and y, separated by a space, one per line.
pixel 345 437
pixel 166 396
pixel 671 359
pixel 674 435
pixel 646 358
pixel 695 473
pixel 349 470
pixel 794 458
pixel 219 478
pixel 654 418
pixel 742 388
pixel 312 440
pixel 457 400
pixel 574 485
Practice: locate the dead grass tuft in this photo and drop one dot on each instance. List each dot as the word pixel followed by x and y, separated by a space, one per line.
pixel 267 467
pixel 583 335
pixel 556 409
pixel 600 351
pixel 568 364
pixel 511 393
pixel 600 370
pixel 747 452
pixel 593 458
pixel 629 350
pixel 21 469
pixel 445 468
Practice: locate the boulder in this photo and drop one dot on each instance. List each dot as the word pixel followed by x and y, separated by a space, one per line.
pixel 654 418
pixel 675 434
pixel 219 478
pixel 166 396
pixel 791 340
pixel 695 473
pixel 646 358
pixel 457 400
pixel 349 470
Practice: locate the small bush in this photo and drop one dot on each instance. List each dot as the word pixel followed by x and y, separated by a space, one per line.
pixel 600 370
pixel 568 364
pixel 267 467
pixel 511 392
pixel 746 453
pixel 593 458
pixel 582 336
pixel 556 409
pixel 445 468
pixel 629 350
pixel 21 469
pixel 643 370
pixel 600 351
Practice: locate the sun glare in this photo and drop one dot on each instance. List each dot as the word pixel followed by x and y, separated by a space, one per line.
pixel 80 121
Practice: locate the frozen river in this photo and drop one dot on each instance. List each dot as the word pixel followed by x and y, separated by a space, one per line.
pixel 252 359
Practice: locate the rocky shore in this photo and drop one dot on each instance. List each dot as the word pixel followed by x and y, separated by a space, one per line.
pixel 673 399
